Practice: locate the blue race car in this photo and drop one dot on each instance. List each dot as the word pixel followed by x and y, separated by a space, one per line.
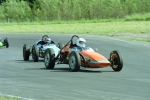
pixel 38 49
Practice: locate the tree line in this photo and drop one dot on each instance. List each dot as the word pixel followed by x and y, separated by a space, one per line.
pixel 71 9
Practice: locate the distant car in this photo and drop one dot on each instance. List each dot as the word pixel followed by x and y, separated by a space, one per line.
pixel 4 43
pixel 38 49
pixel 78 57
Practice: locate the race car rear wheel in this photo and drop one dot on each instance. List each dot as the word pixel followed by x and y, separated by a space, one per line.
pixel 74 61
pixel 49 58
pixel 35 53
pixel 26 52
pixel 6 42
pixel 60 45
pixel 116 60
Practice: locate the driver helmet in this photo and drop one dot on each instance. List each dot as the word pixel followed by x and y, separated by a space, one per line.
pixel 47 40
pixel 81 42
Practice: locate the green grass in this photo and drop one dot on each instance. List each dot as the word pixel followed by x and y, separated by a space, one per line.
pixel 138 17
pixel 99 28
pixel 129 30
pixel 7 98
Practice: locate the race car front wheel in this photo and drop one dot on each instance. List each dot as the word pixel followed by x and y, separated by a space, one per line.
pixel 26 52
pixel 116 60
pixel 49 58
pixel 35 53
pixel 6 42
pixel 74 61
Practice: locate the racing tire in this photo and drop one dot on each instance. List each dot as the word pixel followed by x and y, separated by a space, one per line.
pixel 49 58
pixel 35 53
pixel 60 45
pixel 6 42
pixel 26 52
pixel 116 60
pixel 74 61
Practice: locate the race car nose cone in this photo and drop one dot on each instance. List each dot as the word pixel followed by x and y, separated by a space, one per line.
pixel 1 44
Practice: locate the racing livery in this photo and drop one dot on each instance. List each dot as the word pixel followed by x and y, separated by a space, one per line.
pixel 78 55
pixel 38 49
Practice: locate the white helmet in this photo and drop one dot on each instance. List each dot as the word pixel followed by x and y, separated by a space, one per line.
pixel 47 40
pixel 81 42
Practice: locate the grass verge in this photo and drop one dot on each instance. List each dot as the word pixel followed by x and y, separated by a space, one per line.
pixel 77 27
pixel 130 30
pixel 7 98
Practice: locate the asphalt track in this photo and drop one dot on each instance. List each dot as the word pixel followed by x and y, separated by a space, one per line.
pixel 32 81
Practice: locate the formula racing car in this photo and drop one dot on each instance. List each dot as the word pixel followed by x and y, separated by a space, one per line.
pixel 4 43
pixel 38 49
pixel 78 55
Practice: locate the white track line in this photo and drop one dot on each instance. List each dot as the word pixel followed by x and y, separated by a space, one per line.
pixel 136 43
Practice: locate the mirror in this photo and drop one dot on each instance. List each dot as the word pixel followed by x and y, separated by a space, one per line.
pixel 96 49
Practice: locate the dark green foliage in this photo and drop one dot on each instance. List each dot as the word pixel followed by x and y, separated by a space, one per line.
pixel 47 10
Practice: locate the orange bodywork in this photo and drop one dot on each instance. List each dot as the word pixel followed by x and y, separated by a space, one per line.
pixel 96 60
pixel 66 49
pixel 93 59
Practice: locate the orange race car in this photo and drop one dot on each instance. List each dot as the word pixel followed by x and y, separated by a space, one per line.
pixel 77 54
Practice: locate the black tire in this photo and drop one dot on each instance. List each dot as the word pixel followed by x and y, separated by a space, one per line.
pixel 26 52
pixel 35 53
pixel 74 61
pixel 6 42
pixel 49 58
pixel 60 45
pixel 116 60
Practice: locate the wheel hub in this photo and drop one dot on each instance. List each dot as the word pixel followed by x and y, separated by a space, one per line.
pixel 46 60
pixel 72 62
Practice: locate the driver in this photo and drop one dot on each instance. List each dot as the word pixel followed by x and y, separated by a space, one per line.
pixel 47 41
pixel 44 42
pixel 81 42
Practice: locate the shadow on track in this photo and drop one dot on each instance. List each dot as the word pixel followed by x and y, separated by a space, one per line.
pixel 67 70
pixel 29 61
pixel 63 69
pixel 35 68
pixel 81 70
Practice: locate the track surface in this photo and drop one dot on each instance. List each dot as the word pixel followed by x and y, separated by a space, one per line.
pixel 32 81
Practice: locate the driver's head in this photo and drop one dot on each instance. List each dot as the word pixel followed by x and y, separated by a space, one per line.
pixel 47 40
pixel 81 42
